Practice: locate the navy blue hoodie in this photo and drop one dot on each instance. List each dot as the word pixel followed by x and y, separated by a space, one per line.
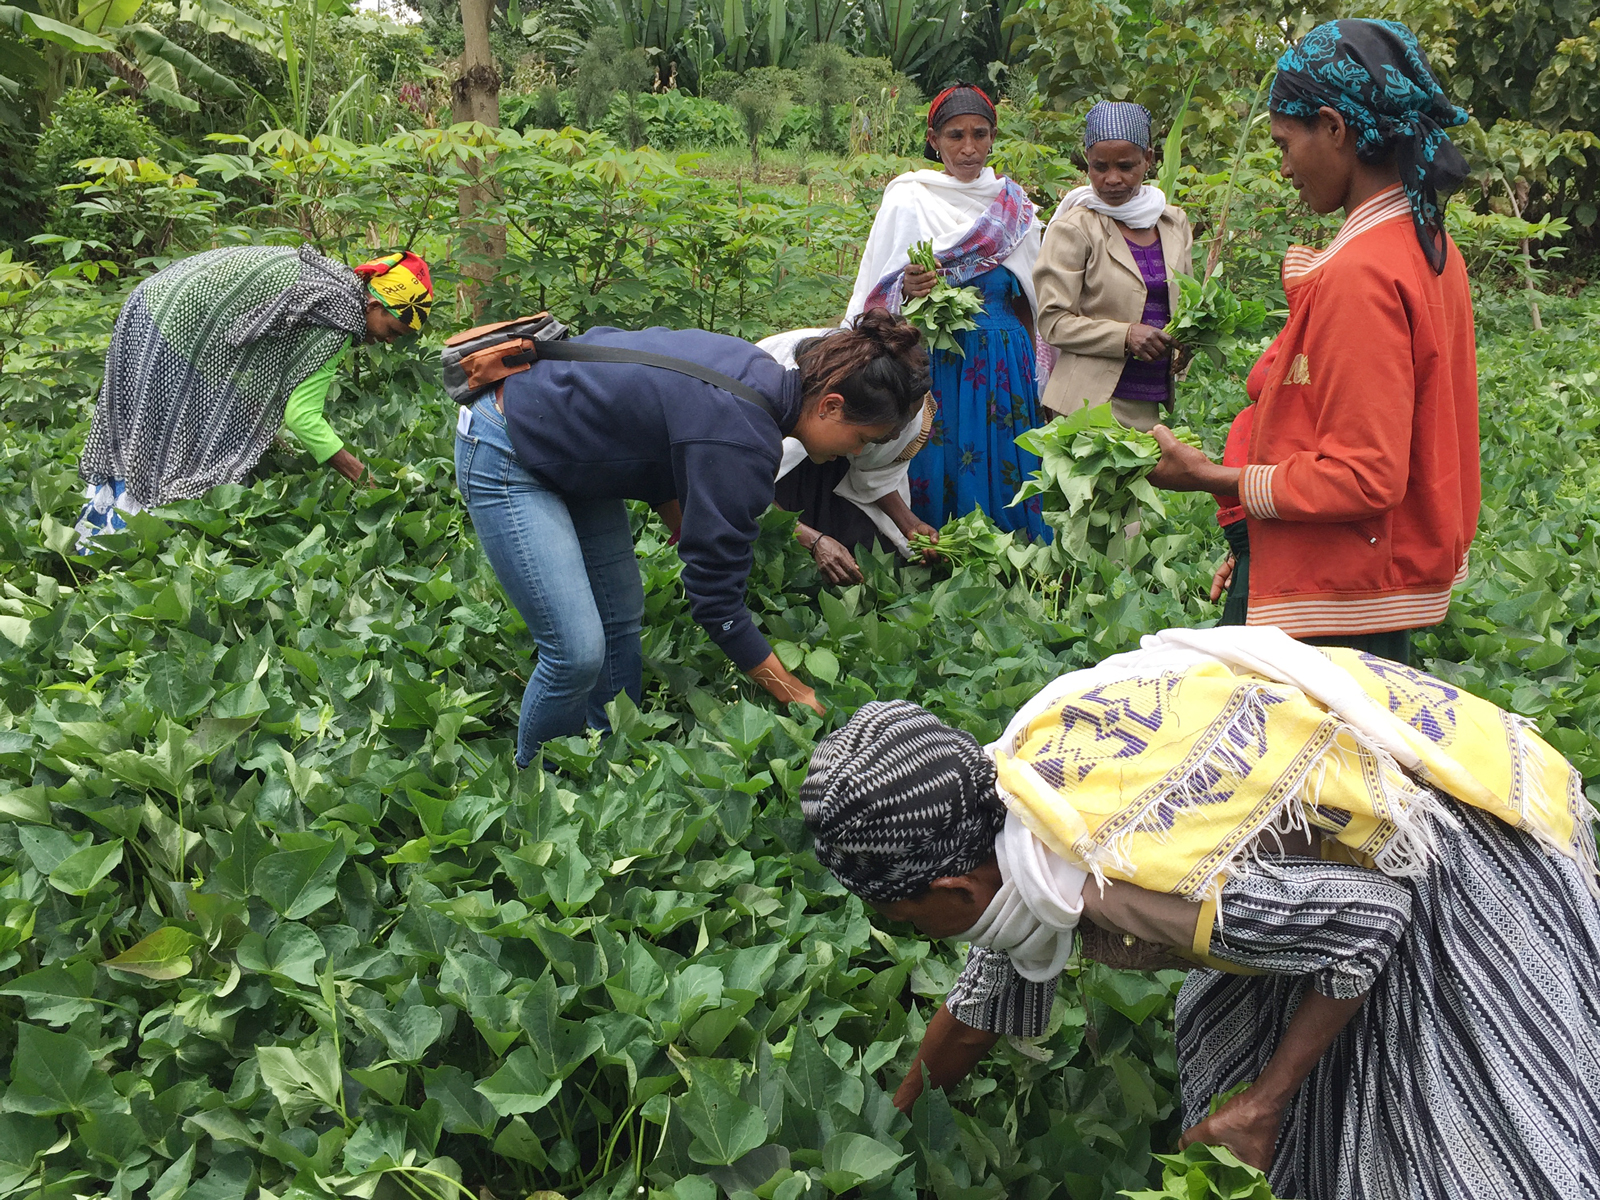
pixel 607 430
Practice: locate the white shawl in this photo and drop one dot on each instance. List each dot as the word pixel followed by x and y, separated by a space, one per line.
pixel 929 205
pixel 1142 212
pixel 1034 914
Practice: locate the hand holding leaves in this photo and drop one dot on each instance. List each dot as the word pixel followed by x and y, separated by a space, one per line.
pixel 1204 1172
pixel 943 311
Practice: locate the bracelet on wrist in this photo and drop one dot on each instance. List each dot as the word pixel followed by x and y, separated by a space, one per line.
pixel 816 541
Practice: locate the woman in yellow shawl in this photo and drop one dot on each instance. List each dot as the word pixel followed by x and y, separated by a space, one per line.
pixel 1385 887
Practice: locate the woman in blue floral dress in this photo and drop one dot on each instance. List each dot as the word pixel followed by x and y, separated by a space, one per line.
pixel 985 235
pixel 986 398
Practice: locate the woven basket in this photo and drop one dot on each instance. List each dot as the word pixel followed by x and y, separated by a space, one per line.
pixel 1126 952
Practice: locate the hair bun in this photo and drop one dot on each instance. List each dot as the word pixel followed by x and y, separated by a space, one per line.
pixel 876 362
pixel 891 331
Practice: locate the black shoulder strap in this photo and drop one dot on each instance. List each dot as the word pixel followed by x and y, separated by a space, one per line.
pixel 565 351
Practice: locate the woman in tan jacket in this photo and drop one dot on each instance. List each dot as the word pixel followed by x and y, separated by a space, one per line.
pixel 1105 276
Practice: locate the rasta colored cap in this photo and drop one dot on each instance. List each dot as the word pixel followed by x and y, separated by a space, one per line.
pixel 401 283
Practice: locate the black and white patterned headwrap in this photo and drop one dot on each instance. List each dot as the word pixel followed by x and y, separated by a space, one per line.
pixel 897 799
pixel 1117 121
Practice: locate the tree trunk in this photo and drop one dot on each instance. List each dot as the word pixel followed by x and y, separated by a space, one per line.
pixel 475 96
pixel 1519 205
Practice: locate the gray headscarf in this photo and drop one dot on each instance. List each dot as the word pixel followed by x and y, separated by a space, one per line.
pixel 897 799
pixel 1117 121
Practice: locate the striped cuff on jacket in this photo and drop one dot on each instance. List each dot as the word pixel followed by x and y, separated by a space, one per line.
pixel 1255 491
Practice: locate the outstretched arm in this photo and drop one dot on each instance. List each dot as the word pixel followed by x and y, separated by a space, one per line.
pixel 1248 1123
pixel 1333 925
pixel 833 558
pixel 950 1049
pixel 906 521
pixel 771 674
pixel 303 416
pixel 346 464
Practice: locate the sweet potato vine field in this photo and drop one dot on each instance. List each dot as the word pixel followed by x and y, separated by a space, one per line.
pixel 277 913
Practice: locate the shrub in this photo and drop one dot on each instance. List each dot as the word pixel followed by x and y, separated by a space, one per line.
pixel 797 130
pixel 604 69
pixel 827 75
pixel 22 198
pixel 676 120
pixel 722 85
pixel 87 124
pixel 90 124
pixel 547 109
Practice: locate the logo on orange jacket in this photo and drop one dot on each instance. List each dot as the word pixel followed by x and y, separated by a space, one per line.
pixel 1299 370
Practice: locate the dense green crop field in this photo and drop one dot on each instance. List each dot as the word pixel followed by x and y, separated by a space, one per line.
pixel 277 912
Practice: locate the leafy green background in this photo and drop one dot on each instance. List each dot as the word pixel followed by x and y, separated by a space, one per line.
pixel 277 912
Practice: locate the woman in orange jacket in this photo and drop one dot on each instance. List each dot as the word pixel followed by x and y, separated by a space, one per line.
pixel 1357 467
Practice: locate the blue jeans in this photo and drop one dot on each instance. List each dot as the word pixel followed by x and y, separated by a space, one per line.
pixel 568 567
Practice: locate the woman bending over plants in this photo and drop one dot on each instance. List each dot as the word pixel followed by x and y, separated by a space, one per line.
pixel 1349 489
pixel 546 463
pixel 1384 889
pixel 212 354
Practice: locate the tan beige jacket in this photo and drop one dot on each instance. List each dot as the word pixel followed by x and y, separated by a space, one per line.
pixel 1090 291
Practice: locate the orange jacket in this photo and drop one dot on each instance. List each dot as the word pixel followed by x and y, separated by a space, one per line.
pixel 1236 453
pixel 1362 486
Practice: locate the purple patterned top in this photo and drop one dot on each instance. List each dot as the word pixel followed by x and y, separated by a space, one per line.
pixel 1148 380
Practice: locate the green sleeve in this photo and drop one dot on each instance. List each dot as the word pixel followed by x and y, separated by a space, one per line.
pixel 303 416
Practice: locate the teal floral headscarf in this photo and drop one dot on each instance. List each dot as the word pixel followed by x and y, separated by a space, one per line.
pixel 1374 74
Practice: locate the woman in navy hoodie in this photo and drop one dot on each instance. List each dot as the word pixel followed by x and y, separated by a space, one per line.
pixel 546 465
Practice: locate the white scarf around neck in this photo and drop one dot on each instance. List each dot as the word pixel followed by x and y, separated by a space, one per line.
pixel 1142 212
pixel 1034 914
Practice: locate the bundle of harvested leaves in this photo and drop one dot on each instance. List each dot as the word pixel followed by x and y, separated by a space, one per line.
pixel 966 541
pixel 1091 480
pixel 943 312
pixel 1209 317
pixel 1206 1173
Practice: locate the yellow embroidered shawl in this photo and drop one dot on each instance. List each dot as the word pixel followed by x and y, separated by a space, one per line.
pixel 1166 780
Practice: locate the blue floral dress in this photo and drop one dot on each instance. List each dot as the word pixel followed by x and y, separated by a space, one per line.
pixel 985 399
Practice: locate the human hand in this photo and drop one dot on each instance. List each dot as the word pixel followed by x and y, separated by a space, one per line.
pixel 1246 1124
pixel 1147 343
pixel 771 674
pixel 808 697
pixel 923 529
pixel 1185 468
pixel 1182 356
pixel 671 514
pixel 1223 579
pixel 917 281
pixel 835 562
pixel 905 1096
